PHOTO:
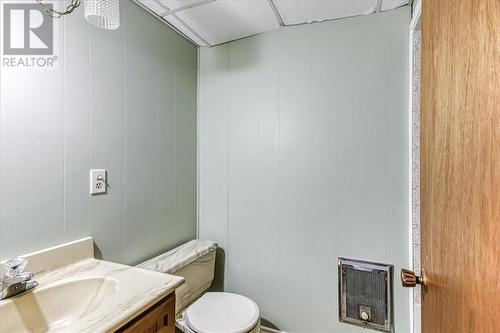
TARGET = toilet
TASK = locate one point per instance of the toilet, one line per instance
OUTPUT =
(199, 311)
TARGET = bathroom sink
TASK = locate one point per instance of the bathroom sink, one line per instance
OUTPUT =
(79, 293)
(55, 306)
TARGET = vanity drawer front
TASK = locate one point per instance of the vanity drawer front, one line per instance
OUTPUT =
(159, 318)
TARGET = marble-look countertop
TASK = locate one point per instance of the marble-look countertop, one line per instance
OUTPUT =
(132, 291)
(171, 261)
(137, 290)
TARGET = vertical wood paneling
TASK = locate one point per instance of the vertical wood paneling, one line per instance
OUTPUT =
(212, 143)
(212, 151)
(265, 257)
(294, 157)
(381, 189)
(107, 138)
(324, 173)
(166, 139)
(76, 125)
(32, 149)
(252, 95)
(243, 145)
(56, 125)
(3, 225)
(141, 114)
(366, 150)
(317, 162)
(185, 140)
(400, 222)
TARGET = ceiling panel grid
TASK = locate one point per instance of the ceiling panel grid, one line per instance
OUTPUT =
(213, 22)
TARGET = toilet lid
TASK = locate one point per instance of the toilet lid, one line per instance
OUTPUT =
(222, 313)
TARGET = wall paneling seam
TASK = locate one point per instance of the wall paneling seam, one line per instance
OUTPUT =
(124, 218)
(89, 162)
(157, 196)
(175, 129)
(65, 132)
(228, 137)
(198, 92)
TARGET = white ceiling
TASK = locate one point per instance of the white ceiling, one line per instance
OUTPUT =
(212, 22)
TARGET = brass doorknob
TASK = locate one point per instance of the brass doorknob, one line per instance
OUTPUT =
(409, 279)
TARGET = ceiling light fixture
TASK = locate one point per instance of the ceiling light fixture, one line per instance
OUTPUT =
(104, 14)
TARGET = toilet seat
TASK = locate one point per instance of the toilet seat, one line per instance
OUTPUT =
(222, 313)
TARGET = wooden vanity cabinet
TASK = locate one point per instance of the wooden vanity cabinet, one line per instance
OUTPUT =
(158, 318)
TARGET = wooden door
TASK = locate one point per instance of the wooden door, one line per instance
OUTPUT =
(460, 165)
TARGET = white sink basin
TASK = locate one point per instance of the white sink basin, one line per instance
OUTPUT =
(78, 293)
(56, 306)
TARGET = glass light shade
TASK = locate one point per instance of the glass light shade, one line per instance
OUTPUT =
(104, 14)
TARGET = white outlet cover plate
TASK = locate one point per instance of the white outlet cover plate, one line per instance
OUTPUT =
(98, 181)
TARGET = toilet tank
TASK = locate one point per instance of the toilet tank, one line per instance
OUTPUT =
(195, 262)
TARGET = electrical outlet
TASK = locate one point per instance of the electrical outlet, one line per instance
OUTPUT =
(98, 181)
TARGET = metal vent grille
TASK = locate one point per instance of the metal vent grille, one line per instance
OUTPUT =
(365, 294)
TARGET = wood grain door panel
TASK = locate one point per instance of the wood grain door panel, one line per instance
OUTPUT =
(460, 165)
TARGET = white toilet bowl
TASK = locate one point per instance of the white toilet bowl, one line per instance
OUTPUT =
(197, 311)
(220, 313)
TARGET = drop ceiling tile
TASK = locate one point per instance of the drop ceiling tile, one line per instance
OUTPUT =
(391, 4)
(300, 11)
(179, 26)
(154, 6)
(176, 4)
(225, 20)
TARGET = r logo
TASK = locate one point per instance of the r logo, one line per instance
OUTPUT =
(26, 30)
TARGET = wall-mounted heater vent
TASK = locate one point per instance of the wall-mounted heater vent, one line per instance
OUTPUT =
(365, 294)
